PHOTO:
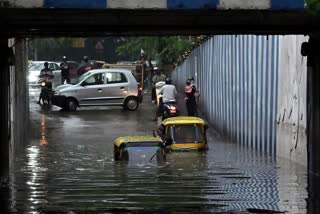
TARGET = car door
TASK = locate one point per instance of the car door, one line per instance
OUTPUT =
(116, 87)
(92, 90)
(56, 66)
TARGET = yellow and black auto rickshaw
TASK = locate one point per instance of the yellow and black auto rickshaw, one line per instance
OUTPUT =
(129, 147)
(185, 133)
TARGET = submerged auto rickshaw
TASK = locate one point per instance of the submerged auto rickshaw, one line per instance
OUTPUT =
(185, 133)
(147, 146)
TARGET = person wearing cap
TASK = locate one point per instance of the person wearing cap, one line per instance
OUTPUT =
(85, 66)
(46, 73)
(156, 78)
(65, 71)
(169, 94)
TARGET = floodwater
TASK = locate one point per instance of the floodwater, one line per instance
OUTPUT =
(68, 167)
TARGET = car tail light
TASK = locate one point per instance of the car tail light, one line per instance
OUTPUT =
(139, 89)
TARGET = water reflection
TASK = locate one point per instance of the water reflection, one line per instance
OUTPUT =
(220, 180)
(30, 182)
(43, 139)
(178, 184)
(292, 185)
(65, 170)
(29, 187)
(186, 182)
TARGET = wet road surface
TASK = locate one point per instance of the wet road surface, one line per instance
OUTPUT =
(68, 167)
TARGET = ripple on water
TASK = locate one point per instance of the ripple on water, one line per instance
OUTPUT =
(84, 178)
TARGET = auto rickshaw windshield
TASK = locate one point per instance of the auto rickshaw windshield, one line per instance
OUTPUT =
(186, 133)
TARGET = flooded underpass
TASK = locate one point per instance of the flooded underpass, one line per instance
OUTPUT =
(68, 167)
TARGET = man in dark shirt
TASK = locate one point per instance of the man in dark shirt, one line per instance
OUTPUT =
(65, 71)
(46, 75)
(85, 66)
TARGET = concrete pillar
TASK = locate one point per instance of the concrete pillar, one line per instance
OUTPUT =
(18, 107)
(19, 103)
(313, 111)
(4, 127)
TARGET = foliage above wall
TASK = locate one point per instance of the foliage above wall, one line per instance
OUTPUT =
(166, 49)
(313, 5)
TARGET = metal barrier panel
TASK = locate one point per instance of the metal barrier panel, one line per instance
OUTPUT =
(241, 80)
(237, 78)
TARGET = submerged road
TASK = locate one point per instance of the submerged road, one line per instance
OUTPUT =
(68, 167)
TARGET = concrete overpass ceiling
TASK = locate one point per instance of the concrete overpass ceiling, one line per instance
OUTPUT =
(50, 18)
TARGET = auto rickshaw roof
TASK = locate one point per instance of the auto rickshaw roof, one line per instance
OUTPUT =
(183, 120)
(127, 139)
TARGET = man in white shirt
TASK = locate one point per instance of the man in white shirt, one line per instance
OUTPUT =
(158, 77)
(169, 93)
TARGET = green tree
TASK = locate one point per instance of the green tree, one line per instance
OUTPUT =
(39, 46)
(166, 49)
(313, 5)
(173, 48)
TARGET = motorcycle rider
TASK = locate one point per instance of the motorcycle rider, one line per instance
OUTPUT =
(84, 66)
(156, 78)
(169, 93)
(65, 70)
(46, 75)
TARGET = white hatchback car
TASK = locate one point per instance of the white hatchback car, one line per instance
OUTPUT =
(34, 70)
(100, 87)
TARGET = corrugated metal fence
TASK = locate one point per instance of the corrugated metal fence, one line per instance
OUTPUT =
(238, 81)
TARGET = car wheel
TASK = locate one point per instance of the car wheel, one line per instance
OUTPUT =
(71, 104)
(131, 104)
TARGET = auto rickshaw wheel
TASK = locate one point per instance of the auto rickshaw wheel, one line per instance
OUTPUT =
(125, 155)
(116, 154)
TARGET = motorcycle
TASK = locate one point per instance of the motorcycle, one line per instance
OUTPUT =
(169, 109)
(46, 93)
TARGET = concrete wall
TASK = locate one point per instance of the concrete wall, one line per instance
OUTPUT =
(4, 131)
(292, 185)
(246, 82)
(159, 4)
(292, 100)
(19, 96)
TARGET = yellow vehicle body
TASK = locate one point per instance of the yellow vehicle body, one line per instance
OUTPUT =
(136, 69)
(122, 145)
(187, 133)
(125, 139)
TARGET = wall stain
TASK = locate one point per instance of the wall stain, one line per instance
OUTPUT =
(290, 114)
(284, 114)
